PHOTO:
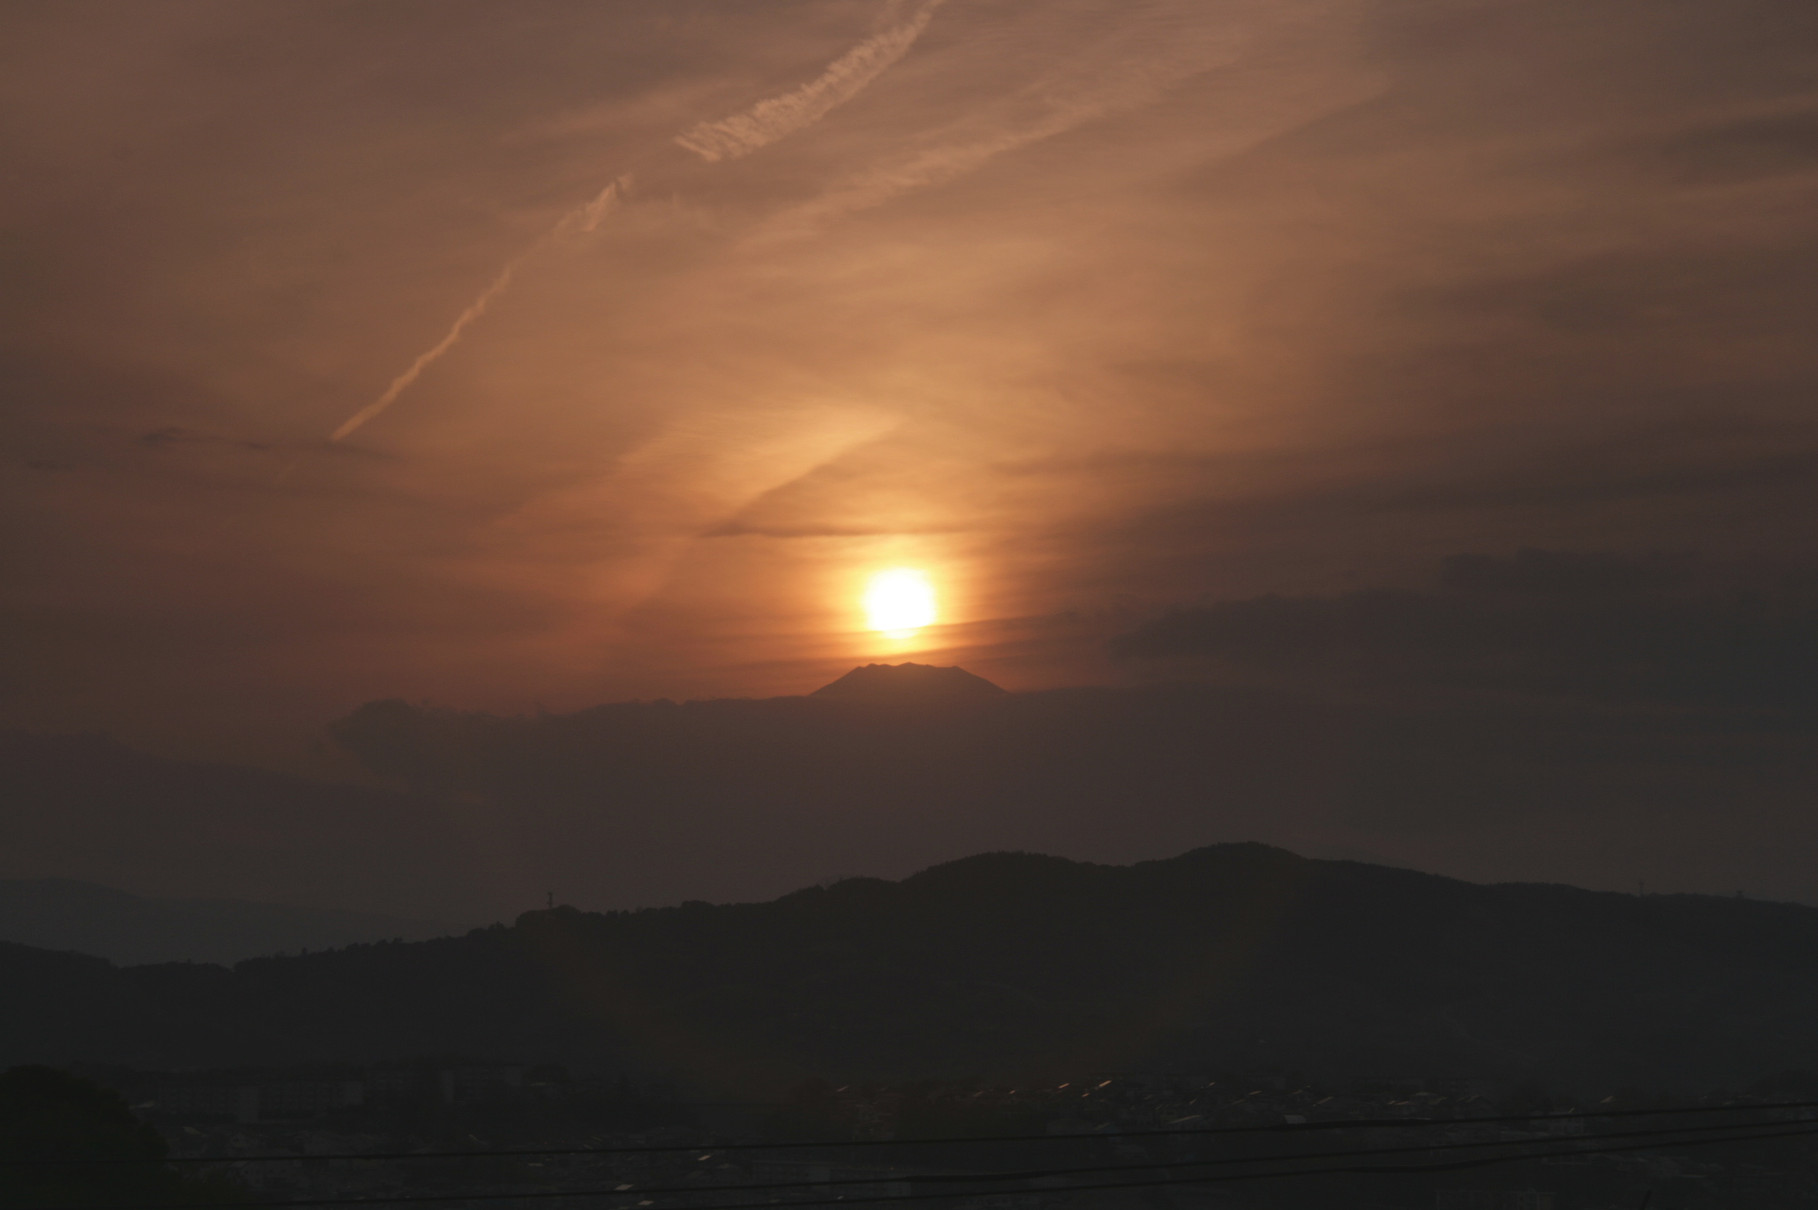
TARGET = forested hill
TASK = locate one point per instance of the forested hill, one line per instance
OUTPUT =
(1006, 964)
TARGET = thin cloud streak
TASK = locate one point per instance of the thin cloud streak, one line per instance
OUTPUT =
(474, 310)
(579, 221)
(1157, 56)
(727, 139)
(778, 117)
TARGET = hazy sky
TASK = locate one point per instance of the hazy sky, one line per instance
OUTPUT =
(1088, 308)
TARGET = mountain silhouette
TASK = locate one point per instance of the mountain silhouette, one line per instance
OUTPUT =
(471, 816)
(909, 684)
(1006, 965)
(89, 809)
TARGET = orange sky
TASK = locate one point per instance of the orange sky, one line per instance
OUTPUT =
(1085, 308)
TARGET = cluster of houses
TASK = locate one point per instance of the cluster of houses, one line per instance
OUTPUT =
(1136, 1118)
(1098, 1102)
(248, 1097)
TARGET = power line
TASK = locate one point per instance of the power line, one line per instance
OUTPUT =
(1655, 1139)
(1197, 1131)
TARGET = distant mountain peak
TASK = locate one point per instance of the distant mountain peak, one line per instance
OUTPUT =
(910, 683)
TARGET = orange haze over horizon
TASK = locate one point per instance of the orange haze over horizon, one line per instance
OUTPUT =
(506, 356)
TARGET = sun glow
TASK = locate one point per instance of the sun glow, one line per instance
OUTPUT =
(899, 602)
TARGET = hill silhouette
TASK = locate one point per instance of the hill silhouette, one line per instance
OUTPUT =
(1007, 964)
(89, 809)
(643, 803)
(909, 684)
(652, 802)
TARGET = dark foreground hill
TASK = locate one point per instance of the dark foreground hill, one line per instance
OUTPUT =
(1006, 964)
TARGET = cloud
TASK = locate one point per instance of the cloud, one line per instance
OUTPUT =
(737, 528)
(1553, 623)
(728, 138)
(177, 435)
(778, 117)
(1745, 149)
(1134, 63)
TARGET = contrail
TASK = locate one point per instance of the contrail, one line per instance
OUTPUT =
(577, 221)
(1128, 69)
(772, 119)
(474, 310)
(727, 139)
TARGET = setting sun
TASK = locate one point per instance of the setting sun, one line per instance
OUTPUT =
(899, 602)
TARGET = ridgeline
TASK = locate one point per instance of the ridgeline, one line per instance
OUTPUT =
(1010, 965)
